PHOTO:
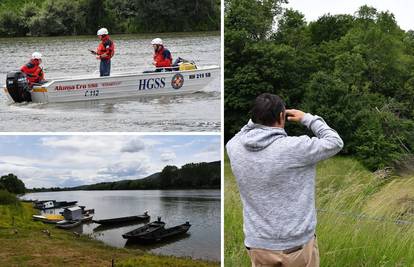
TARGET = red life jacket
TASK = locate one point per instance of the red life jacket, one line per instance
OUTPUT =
(107, 47)
(163, 58)
(33, 72)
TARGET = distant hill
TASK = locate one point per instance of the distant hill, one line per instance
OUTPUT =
(204, 175)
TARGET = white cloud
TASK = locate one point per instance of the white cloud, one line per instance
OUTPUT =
(168, 156)
(133, 146)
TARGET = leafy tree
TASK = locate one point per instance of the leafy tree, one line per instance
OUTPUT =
(11, 24)
(12, 184)
(60, 17)
(354, 71)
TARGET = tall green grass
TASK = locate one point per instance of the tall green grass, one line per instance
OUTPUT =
(7, 198)
(356, 218)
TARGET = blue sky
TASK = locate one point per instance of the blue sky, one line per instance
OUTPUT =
(402, 9)
(70, 160)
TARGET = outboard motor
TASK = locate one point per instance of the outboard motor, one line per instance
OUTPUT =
(18, 87)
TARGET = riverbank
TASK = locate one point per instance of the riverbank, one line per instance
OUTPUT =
(24, 242)
(364, 218)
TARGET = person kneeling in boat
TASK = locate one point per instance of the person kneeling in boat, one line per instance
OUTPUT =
(104, 52)
(162, 56)
(33, 71)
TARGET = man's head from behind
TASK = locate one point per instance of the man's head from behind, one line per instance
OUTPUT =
(268, 110)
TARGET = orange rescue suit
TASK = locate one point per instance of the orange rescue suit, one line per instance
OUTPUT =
(107, 47)
(163, 58)
(33, 72)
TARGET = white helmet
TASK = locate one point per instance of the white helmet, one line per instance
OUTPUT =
(36, 55)
(157, 41)
(103, 31)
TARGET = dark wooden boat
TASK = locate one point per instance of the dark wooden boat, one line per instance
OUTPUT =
(163, 233)
(121, 220)
(68, 224)
(145, 230)
(63, 204)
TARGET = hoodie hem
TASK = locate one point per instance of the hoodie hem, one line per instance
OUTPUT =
(275, 244)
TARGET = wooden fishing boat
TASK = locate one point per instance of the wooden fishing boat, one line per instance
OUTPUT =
(52, 204)
(50, 218)
(121, 220)
(118, 85)
(145, 230)
(163, 233)
(68, 224)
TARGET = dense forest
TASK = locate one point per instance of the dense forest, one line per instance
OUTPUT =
(190, 176)
(61, 17)
(356, 71)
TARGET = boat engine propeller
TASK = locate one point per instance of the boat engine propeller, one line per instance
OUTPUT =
(18, 87)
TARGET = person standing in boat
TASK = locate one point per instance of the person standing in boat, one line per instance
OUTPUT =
(104, 52)
(162, 56)
(32, 69)
(276, 178)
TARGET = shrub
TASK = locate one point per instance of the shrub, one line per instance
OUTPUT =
(7, 198)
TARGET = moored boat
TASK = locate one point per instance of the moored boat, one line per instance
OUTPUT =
(121, 220)
(145, 230)
(50, 218)
(65, 224)
(163, 233)
(53, 204)
(118, 85)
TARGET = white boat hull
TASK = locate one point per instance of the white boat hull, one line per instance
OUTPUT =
(123, 85)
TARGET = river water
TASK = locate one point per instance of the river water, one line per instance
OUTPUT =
(65, 56)
(200, 207)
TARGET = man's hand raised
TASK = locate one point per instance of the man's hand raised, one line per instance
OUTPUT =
(294, 115)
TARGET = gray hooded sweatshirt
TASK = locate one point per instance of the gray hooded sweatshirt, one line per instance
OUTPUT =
(276, 178)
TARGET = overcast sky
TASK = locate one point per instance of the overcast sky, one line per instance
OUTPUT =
(48, 161)
(403, 10)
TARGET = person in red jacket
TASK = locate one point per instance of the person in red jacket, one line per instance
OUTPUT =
(104, 52)
(32, 69)
(162, 56)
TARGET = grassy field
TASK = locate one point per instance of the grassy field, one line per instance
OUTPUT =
(23, 242)
(357, 217)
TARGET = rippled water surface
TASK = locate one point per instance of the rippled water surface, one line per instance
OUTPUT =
(65, 56)
(200, 207)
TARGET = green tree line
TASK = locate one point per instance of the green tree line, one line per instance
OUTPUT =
(61, 17)
(356, 71)
(190, 176)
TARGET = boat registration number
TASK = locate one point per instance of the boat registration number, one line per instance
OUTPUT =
(91, 93)
(200, 75)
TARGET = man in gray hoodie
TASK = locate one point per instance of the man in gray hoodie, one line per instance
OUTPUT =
(276, 178)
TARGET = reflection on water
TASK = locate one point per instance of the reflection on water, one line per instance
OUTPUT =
(200, 207)
(65, 56)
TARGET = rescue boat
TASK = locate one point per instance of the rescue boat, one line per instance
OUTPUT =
(118, 85)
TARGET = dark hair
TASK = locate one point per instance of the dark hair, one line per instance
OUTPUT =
(266, 109)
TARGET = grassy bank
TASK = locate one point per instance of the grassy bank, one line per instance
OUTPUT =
(357, 217)
(23, 242)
